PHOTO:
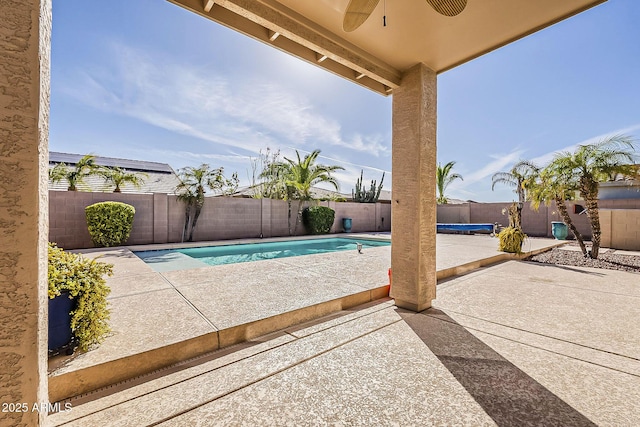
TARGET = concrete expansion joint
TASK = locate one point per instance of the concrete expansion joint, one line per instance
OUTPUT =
(261, 378)
(351, 319)
(598, 350)
(190, 304)
(131, 294)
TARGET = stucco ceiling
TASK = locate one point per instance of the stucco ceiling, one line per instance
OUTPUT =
(375, 55)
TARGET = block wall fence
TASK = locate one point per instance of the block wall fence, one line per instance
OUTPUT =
(618, 219)
(160, 218)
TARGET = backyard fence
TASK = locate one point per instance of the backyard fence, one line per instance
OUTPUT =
(160, 218)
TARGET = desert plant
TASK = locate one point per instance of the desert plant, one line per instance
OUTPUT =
(109, 223)
(297, 177)
(556, 184)
(83, 280)
(191, 191)
(591, 164)
(511, 239)
(444, 177)
(74, 176)
(318, 219)
(520, 174)
(120, 176)
(367, 196)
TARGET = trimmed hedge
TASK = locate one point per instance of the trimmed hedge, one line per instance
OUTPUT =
(84, 280)
(318, 219)
(109, 223)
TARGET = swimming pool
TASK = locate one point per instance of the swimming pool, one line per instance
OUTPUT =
(231, 254)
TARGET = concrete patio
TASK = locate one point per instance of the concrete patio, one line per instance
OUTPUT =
(516, 343)
(159, 319)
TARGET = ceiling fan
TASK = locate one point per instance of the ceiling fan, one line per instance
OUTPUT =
(359, 10)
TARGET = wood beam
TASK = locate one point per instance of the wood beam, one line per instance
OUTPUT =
(208, 4)
(301, 38)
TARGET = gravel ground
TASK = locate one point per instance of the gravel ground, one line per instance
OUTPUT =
(607, 258)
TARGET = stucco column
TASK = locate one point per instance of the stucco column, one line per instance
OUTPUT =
(25, 30)
(413, 205)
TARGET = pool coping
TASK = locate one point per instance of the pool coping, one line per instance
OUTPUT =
(187, 261)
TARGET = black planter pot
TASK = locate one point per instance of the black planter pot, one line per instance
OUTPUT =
(60, 334)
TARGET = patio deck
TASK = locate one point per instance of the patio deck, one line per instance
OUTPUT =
(160, 319)
(517, 343)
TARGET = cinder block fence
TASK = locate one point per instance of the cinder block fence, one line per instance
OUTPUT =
(160, 218)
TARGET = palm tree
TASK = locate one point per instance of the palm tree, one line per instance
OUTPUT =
(444, 177)
(516, 178)
(554, 184)
(119, 176)
(191, 191)
(591, 164)
(297, 177)
(85, 167)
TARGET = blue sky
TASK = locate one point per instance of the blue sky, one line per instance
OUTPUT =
(150, 81)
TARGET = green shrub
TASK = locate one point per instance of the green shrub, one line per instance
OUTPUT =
(511, 239)
(83, 279)
(318, 219)
(109, 223)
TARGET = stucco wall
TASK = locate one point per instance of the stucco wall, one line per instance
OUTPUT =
(25, 30)
(160, 218)
(534, 223)
(68, 224)
(620, 228)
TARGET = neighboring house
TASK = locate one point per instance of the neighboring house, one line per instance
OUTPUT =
(626, 189)
(622, 187)
(160, 177)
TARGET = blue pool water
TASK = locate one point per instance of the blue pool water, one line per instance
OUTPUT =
(231, 254)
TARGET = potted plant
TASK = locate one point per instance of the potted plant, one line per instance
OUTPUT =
(347, 224)
(560, 230)
(78, 304)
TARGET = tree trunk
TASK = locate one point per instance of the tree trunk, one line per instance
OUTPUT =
(289, 215)
(187, 218)
(564, 213)
(199, 205)
(295, 227)
(594, 220)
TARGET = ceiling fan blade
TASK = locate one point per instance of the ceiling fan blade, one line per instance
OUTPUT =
(448, 7)
(357, 12)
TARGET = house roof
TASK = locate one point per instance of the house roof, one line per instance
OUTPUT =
(160, 177)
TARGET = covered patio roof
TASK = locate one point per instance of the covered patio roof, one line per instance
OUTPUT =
(375, 55)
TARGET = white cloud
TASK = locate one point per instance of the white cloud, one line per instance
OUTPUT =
(500, 163)
(237, 113)
(547, 157)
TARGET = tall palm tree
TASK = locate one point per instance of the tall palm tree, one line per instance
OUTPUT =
(554, 184)
(119, 176)
(516, 178)
(591, 164)
(85, 167)
(298, 176)
(444, 177)
(191, 191)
